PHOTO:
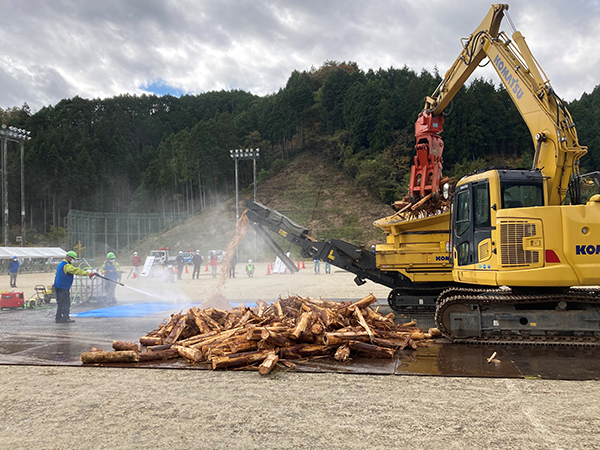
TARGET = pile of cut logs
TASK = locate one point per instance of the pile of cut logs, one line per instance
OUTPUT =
(291, 328)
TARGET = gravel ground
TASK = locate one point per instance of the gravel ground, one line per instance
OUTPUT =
(112, 408)
(102, 408)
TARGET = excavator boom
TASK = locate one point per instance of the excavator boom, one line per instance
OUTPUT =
(557, 150)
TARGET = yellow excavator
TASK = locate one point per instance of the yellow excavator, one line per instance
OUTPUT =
(517, 259)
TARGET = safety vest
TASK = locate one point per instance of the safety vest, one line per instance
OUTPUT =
(63, 280)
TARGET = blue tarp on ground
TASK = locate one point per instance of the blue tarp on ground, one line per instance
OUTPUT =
(141, 309)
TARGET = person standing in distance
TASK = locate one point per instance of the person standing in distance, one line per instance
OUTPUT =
(179, 262)
(213, 261)
(13, 269)
(136, 262)
(62, 284)
(197, 261)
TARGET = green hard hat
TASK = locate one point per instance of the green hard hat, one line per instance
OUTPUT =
(72, 254)
(111, 255)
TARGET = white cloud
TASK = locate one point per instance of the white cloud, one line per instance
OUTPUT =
(58, 49)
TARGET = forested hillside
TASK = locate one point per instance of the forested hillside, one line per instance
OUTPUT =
(152, 154)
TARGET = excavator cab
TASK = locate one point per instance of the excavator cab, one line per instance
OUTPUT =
(480, 198)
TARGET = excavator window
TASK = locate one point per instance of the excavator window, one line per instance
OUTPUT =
(463, 213)
(481, 194)
(521, 195)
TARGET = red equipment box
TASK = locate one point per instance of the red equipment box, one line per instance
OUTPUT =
(12, 300)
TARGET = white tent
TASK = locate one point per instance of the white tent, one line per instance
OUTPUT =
(31, 252)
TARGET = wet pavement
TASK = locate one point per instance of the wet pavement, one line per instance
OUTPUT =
(30, 337)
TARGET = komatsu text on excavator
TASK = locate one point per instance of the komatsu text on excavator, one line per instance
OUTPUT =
(517, 259)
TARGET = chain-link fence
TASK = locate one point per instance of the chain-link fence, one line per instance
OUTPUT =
(95, 234)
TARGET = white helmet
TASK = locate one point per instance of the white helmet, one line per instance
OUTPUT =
(181, 253)
(134, 253)
(249, 261)
(197, 252)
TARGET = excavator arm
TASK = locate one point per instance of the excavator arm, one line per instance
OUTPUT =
(557, 150)
(338, 253)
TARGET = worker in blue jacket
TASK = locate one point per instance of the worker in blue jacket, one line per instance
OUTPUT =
(13, 269)
(62, 285)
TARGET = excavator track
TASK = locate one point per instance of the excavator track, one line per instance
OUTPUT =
(494, 308)
(411, 300)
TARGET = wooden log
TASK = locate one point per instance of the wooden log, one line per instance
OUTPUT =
(125, 346)
(393, 334)
(434, 332)
(363, 303)
(195, 339)
(317, 329)
(301, 326)
(305, 350)
(342, 353)
(254, 333)
(109, 357)
(191, 354)
(277, 339)
(262, 306)
(245, 346)
(199, 321)
(239, 359)
(168, 327)
(217, 338)
(371, 350)
(159, 355)
(268, 364)
(363, 322)
(287, 364)
(278, 308)
(177, 330)
(158, 348)
(421, 202)
(149, 341)
(343, 338)
(213, 324)
(417, 336)
(395, 344)
(265, 345)
(400, 204)
(95, 349)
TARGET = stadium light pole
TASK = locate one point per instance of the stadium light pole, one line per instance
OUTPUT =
(236, 155)
(19, 136)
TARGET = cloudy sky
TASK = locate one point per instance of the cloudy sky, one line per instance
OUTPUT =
(50, 50)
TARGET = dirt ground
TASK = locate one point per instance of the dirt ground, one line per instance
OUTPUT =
(51, 407)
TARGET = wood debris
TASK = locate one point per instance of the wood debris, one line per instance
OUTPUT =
(268, 336)
(424, 207)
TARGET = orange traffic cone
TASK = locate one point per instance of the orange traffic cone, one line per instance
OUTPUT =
(186, 269)
(206, 268)
(175, 270)
(298, 265)
(303, 266)
(134, 275)
(268, 269)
